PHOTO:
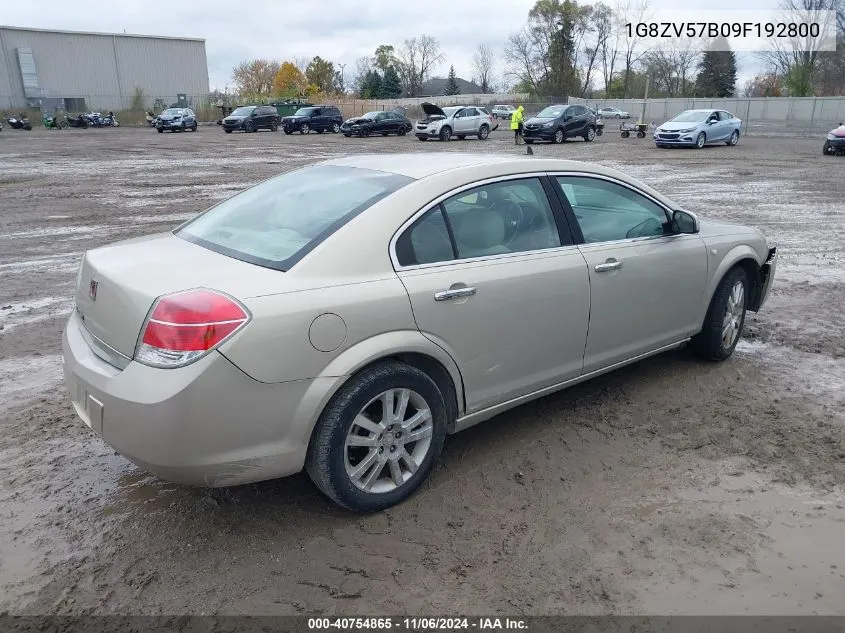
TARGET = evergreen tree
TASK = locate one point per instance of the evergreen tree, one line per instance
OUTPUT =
(391, 87)
(371, 86)
(716, 72)
(451, 83)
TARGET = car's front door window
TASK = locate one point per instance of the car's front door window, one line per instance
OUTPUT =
(607, 211)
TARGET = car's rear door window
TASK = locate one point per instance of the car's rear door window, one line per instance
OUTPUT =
(279, 221)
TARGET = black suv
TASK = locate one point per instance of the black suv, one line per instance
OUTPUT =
(252, 119)
(320, 118)
(560, 122)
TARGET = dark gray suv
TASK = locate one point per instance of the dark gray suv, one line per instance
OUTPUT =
(558, 123)
(320, 118)
(252, 119)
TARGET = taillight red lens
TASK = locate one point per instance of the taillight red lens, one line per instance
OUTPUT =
(185, 325)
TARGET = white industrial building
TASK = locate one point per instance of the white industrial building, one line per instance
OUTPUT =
(76, 71)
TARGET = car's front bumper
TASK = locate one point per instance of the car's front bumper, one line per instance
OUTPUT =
(170, 125)
(205, 424)
(539, 134)
(836, 145)
(674, 138)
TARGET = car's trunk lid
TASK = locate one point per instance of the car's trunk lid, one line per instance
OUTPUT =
(119, 283)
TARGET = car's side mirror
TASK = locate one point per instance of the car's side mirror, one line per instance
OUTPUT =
(711, 121)
(684, 223)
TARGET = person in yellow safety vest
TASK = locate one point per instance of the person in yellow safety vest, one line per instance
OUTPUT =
(517, 119)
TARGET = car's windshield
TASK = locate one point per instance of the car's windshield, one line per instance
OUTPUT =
(451, 111)
(370, 115)
(275, 223)
(173, 112)
(691, 116)
(552, 112)
(243, 111)
(304, 112)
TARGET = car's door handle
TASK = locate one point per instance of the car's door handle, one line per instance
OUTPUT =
(454, 293)
(608, 266)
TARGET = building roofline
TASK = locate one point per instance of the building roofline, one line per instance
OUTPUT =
(4, 27)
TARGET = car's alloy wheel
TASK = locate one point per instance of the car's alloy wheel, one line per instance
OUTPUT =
(591, 134)
(249, 126)
(445, 134)
(335, 128)
(700, 140)
(734, 138)
(725, 317)
(559, 136)
(484, 132)
(378, 438)
(304, 129)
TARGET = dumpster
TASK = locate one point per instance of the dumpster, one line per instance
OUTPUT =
(287, 108)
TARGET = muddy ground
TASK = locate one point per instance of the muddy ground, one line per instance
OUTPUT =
(672, 486)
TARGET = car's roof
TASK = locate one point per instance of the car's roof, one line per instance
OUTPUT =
(702, 110)
(423, 165)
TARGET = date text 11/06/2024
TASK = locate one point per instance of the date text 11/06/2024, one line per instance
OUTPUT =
(417, 624)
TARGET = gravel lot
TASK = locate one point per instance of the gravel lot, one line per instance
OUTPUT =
(672, 486)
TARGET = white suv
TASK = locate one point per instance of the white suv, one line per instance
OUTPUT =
(503, 111)
(460, 121)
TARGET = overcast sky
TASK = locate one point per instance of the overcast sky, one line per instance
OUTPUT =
(339, 31)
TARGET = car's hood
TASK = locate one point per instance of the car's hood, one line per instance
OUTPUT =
(537, 119)
(838, 132)
(234, 118)
(432, 109)
(672, 126)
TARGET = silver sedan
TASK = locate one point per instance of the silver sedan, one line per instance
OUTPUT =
(697, 128)
(344, 317)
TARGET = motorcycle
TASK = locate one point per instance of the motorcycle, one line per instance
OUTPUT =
(52, 123)
(97, 120)
(77, 121)
(20, 123)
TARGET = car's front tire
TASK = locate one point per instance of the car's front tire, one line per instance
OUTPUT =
(304, 129)
(725, 317)
(274, 127)
(483, 133)
(378, 438)
(446, 133)
(700, 140)
(559, 136)
(249, 126)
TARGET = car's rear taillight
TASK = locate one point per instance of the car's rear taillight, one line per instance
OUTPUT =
(184, 326)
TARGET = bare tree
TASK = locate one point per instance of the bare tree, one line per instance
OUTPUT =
(415, 60)
(255, 76)
(526, 61)
(799, 60)
(597, 50)
(671, 67)
(483, 63)
(630, 11)
(363, 66)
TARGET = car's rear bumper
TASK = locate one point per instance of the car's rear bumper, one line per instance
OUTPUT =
(205, 424)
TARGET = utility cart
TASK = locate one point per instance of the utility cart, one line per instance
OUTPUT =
(640, 129)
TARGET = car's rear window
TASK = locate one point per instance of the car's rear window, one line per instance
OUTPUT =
(276, 223)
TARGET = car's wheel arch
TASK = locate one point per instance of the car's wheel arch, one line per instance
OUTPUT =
(408, 346)
(748, 259)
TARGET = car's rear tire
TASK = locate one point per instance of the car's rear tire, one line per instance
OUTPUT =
(274, 127)
(335, 128)
(559, 136)
(378, 438)
(725, 317)
(700, 140)
(483, 132)
(590, 135)
(445, 133)
(734, 139)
